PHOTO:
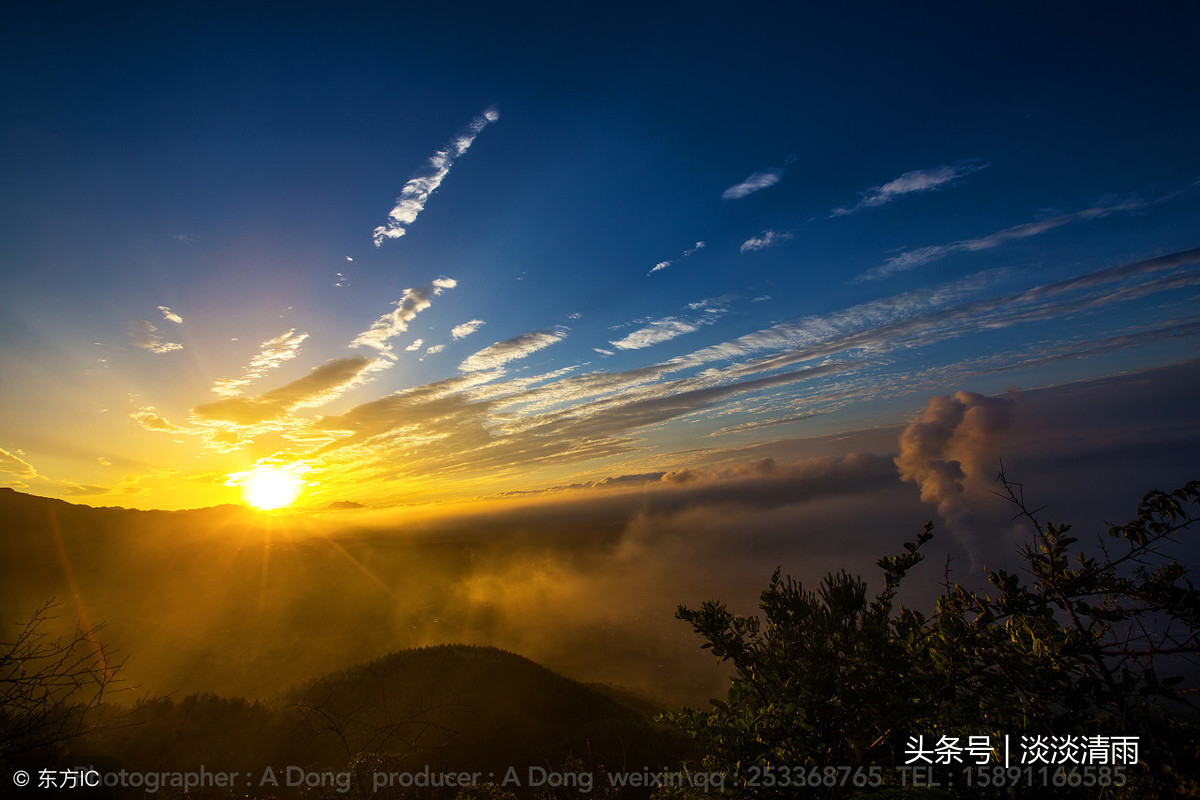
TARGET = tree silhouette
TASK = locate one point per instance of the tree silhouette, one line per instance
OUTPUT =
(1076, 647)
(48, 685)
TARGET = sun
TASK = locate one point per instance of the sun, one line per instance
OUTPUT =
(269, 488)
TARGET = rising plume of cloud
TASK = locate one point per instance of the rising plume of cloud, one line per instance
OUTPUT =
(755, 182)
(685, 254)
(170, 315)
(954, 440)
(395, 322)
(416, 192)
(918, 180)
(762, 241)
(466, 329)
(501, 353)
(274, 352)
(146, 336)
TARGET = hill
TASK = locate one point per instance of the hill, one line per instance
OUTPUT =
(449, 707)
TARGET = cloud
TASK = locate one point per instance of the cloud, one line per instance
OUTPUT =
(392, 324)
(949, 444)
(323, 384)
(416, 192)
(911, 259)
(755, 182)
(919, 180)
(274, 352)
(521, 346)
(479, 424)
(767, 238)
(170, 315)
(434, 349)
(148, 337)
(415, 346)
(15, 465)
(660, 330)
(149, 419)
(602, 351)
(685, 254)
(466, 329)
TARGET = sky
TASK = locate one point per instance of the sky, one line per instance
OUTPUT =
(418, 255)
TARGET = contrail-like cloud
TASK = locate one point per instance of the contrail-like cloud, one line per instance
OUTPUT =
(918, 180)
(416, 192)
(756, 182)
(686, 254)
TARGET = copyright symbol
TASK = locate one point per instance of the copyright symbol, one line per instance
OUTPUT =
(21, 778)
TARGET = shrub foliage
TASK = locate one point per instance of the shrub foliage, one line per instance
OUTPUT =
(1077, 645)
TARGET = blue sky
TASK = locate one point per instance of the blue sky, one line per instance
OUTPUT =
(632, 240)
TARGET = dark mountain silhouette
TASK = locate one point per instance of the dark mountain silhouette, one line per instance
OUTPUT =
(230, 601)
(451, 707)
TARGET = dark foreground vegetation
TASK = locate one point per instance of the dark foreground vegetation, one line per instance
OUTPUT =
(835, 692)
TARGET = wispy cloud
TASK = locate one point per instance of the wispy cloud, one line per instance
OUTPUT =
(480, 422)
(466, 329)
(762, 241)
(434, 349)
(416, 192)
(148, 337)
(323, 384)
(151, 420)
(602, 351)
(685, 254)
(274, 352)
(660, 330)
(501, 353)
(415, 346)
(170, 315)
(395, 322)
(15, 465)
(755, 182)
(924, 255)
(918, 180)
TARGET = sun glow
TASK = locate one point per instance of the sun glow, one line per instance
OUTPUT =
(269, 488)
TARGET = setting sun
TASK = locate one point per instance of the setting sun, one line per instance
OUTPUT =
(268, 488)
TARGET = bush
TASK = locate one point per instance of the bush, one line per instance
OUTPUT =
(1076, 648)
